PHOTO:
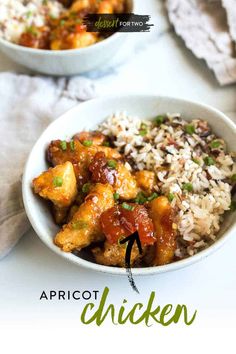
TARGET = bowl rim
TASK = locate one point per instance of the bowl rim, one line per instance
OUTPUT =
(68, 52)
(26, 190)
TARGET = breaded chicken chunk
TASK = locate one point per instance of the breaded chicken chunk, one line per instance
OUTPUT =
(163, 218)
(114, 255)
(145, 180)
(58, 184)
(125, 185)
(113, 172)
(79, 155)
(85, 228)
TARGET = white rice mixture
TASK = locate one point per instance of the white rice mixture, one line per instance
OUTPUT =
(178, 161)
(17, 15)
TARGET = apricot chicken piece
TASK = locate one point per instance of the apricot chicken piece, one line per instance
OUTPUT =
(145, 180)
(114, 172)
(105, 7)
(72, 41)
(58, 184)
(85, 228)
(114, 255)
(79, 155)
(95, 137)
(125, 185)
(163, 218)
(80, 5)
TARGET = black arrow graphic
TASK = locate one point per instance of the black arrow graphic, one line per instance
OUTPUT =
(131, 240)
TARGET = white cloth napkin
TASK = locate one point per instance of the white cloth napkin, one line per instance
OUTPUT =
(208, 28)
(27, 106)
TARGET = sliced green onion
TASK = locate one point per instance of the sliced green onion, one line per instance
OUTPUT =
(63, 145)
(143, 132)
(62, 22)
(32, 31)
(29, 14)
(112, 163)
(86, 187)
(127, 206)
(153, 196)
(189, 129)
(171, 197)
(159, 119)
(78, 225)
(106, 143)
(196, 161)
(209, 161)
(140, 198)
(72, 145)
(116, 196)
(57, 181)
(188, 187)
(233, 178)
(87, 143)
(215, 144)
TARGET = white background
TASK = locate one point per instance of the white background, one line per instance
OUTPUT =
(158, 63)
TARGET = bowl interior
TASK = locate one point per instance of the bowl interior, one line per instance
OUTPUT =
(87, 116)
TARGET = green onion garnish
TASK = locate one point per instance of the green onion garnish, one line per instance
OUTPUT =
(86, 187)
(143, 132)
(233, 178)
(32, 31)
(159, 119)
(62, 22)
(127, 206)
(116, 196)
(72, 145)
(63, 145)
(196, 161)
(188, 187)
(215, 144)
(57, 181)
(140, 198)
(209, 161)
(29, 14)
(171, 197)
(87, 143)
(106, 143)
(189, 129)
(80, 224)
(153, 196)
(111, 163)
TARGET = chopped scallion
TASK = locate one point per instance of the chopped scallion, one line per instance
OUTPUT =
(87, 143)
(127, 206)
(57, 181)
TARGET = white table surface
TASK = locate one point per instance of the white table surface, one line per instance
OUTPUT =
(160, 65)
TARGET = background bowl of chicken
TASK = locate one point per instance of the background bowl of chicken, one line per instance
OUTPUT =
(88, 116)
(69, 61)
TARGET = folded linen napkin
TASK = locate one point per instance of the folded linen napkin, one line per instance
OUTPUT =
(208, 28)
(27, 106)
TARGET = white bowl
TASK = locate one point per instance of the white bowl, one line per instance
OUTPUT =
(66, 62)
(87, 116)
